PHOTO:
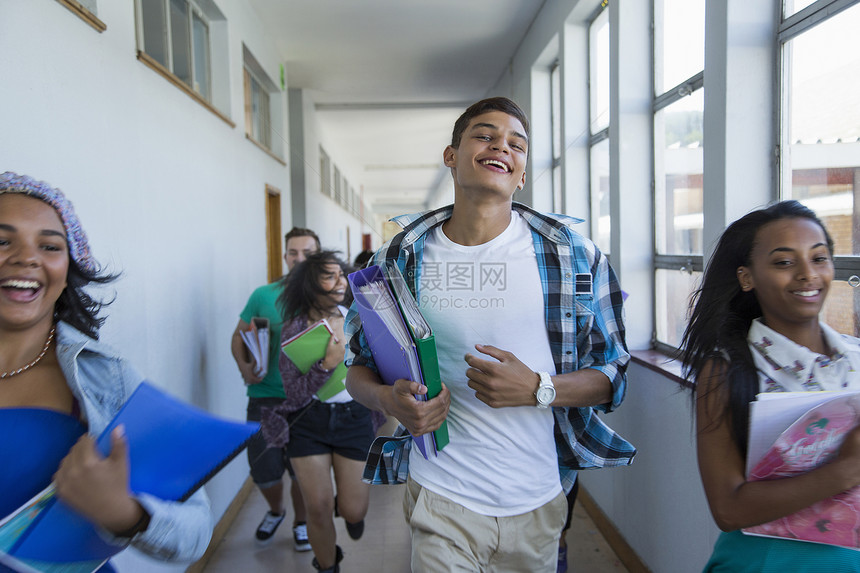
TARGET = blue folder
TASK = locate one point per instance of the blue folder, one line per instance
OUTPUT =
(173, 448)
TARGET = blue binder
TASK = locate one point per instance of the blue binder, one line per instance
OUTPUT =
(395, 351)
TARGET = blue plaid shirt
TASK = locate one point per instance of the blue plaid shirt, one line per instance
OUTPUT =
(584, 320)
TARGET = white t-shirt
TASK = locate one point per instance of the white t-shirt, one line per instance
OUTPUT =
(499, 461)
(342, 396)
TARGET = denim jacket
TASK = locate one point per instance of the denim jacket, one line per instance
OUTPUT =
(101, 381)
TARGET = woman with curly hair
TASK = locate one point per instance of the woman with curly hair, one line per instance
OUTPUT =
(54, 373)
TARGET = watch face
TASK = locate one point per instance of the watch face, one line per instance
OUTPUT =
(545, 395)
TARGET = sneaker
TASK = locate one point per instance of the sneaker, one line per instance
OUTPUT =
(336, 567)
(268, 527)
(300, 537)
(562, 560)
(355, 530)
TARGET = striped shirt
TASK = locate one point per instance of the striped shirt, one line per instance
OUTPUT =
(584, 319)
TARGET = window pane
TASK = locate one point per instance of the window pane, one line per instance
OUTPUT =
(598, 39)
(256, 95)
(247, 84)
(672, 294)
(201, 57)
(325, 173)
(557, 147)
(555, 97)
(599, 166)
(680, 42)
(154, 39)
(265, 131)
(830, 193)
(678, 138)
(841, 307)
(823, 99)
(180, 42)
(794, 6)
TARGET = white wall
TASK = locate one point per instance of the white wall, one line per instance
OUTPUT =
(324, 215)
(657, 503)
(170, 194)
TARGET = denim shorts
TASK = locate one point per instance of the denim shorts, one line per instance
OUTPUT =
(343, 428)
(267, 464)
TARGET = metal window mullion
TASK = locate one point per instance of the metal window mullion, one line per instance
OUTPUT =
(680, 91)
(690, 263)
(190, 41)
(596, 138)
(191, 55)
(809, 17)
(138, 28)
(208, 60)
(556, 153)
(191, 44)
(195, 10)
(168, 36)
(597, 12)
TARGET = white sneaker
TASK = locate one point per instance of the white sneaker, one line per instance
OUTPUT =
(300, 537)
(267, 528)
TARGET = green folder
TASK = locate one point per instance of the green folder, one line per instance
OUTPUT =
(306, 349)
(425, 342)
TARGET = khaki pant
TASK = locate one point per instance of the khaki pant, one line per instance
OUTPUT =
(447, 537)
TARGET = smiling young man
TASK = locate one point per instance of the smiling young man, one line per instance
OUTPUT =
(269, 464)
(530, 337)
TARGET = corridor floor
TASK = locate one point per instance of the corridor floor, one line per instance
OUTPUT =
(384, 548)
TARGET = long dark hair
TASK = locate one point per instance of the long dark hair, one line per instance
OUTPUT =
(77, 307)
(301, 287)
(721, 314)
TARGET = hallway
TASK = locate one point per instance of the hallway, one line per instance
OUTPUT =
(384, 548)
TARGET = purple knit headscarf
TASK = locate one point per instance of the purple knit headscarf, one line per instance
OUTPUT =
(79, 248)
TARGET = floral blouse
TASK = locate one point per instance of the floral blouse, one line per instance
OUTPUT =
(785, 366)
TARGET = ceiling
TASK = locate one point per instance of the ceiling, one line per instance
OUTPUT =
(390, 77)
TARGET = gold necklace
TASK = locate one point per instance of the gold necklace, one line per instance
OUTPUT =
(35, 361)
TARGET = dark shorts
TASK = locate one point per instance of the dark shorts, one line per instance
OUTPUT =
(344, 429)
(267, 464)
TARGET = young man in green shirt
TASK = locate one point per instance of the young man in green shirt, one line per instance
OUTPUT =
(268, 464)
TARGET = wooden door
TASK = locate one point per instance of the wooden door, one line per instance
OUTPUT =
(273, 234)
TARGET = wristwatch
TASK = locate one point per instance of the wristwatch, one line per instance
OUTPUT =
(545, 392)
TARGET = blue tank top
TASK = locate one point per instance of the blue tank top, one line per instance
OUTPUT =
(33, 443)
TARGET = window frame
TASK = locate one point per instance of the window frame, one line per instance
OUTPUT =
(595, 137)
(688, 263)
(166, 70)
(556, 144)
(325, 173)
(265, 121)
(85, 14)
(846, 267)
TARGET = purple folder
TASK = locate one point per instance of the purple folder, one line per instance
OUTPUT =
(392, 358)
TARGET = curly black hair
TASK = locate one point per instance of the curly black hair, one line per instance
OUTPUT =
(76, 306)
